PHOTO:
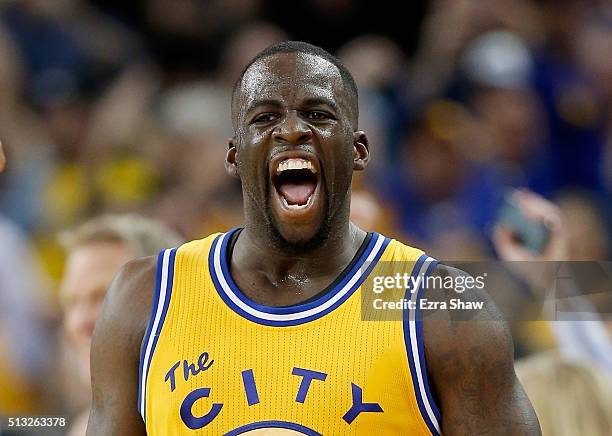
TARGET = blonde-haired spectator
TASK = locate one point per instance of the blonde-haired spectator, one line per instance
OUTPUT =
(570, 397)
(95, 251)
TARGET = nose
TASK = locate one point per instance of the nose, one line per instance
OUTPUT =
(81, 319)
(292, 130)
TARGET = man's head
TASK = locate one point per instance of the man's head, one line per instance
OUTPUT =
(96, 250)
(296, 143)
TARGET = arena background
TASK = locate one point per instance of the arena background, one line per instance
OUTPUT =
(114, 106)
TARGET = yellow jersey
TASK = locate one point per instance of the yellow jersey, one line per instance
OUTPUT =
(214, 362)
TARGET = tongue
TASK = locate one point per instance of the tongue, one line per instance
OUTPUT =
(297, 193)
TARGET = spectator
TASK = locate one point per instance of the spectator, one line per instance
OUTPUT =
(26, 312)
(570, 397)
(96, 250)
(584, 334)
(26, 344)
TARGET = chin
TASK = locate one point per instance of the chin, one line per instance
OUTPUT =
(296, 238)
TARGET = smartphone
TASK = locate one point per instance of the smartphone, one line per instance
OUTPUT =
(533, 235)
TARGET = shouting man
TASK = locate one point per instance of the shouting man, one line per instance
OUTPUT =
(260, 329)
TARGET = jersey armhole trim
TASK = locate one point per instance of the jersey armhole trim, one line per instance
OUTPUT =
(413, 340)
(161, 300)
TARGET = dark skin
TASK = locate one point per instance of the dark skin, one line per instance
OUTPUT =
(276, 118)
(297, 105)
(470, 366)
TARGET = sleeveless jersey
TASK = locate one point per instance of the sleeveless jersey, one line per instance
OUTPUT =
(214, 362)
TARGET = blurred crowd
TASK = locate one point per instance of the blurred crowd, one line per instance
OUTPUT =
(108, 107)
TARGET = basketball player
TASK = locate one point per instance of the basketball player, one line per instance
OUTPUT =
(259, 330)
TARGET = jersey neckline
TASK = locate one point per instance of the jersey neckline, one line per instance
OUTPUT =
(299, 313)
(233, 236)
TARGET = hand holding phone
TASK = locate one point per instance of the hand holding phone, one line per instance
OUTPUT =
(530, 227)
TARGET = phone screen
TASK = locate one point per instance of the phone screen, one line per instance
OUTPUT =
(534, 235)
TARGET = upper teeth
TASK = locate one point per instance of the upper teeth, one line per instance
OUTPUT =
(295, 164)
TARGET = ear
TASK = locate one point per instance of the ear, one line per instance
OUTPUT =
(361, 151)
(231, 162)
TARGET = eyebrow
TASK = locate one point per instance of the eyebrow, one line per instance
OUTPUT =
(321, 100)
(262, 102)
(313, 101)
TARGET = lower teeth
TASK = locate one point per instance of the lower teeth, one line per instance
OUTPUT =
(296, 206)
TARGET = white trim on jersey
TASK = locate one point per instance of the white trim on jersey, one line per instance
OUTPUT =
(158, 313)
(422, 392)
(297, 315)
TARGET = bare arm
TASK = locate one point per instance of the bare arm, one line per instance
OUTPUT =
(470, 360)
(116, 349)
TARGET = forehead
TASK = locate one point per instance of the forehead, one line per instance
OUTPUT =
(290, 77)
(94, 264)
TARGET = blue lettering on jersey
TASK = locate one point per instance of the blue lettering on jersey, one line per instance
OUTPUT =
(189, 369)
(250, 388)
(252, 396)
(308, 376)
(194, 422)
(359, 406)
(170, 376)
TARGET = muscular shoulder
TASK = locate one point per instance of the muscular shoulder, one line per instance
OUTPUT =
(469, 356)
(127, 305)
(469, 326)
(135, 280)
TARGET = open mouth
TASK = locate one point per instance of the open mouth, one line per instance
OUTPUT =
(295, 180)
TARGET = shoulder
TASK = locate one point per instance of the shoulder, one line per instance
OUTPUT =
(470, 361)
(127, 305)
(460, 285)
(132, 282)
(469, 328)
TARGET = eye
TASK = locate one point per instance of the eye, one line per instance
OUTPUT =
(265, 118)
(317, 115)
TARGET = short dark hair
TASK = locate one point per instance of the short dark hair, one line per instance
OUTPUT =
(306, 48)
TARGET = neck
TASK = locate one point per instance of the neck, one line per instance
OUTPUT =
(268, 275)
